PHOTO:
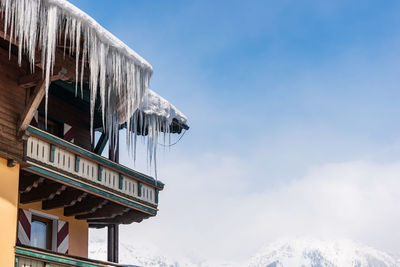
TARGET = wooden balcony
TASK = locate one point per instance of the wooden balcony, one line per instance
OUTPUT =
(66, 163)
(34, 257)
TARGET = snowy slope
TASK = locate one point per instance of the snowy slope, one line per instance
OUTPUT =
(148, 256)
(132, 254)
(284, 253)
(317, 253)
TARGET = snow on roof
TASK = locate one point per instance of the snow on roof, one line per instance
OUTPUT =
(103, 34)
(116, 71)
(156, 104)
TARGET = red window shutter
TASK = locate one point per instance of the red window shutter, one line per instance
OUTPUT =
(69, 133)
(62, 237)
(24, 227)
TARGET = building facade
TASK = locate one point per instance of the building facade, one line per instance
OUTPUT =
(54, 182)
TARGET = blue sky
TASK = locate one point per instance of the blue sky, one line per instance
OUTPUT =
(274, 90)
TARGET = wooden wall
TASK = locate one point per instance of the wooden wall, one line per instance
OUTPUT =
(13, 99)
(12, 104)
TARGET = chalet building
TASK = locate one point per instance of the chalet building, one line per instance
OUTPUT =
(67, 87)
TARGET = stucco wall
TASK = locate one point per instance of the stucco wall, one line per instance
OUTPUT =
(78, 229)
(8, 210)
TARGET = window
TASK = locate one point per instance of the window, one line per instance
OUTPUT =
(44, 230)
(41, 232)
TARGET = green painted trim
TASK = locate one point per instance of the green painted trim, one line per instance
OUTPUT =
(52, 149)
(140, 190)
(16, 261)
(91, 188)
(102, 160)
(77, 160)
(157, 191)
(54, 258)
(47, 264)
(100, 172)
(121, 181)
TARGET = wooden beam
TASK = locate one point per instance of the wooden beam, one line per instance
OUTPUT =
(64, 65)
(89, 204)
(108, 211)
(26, 184)
(101, 144)
(126, 218)
(110, 243)
(30, 80)
(69, 197)
(45, 191)
(31, 108)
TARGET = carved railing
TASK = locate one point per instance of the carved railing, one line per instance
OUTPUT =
(59, 155)
(33, 257)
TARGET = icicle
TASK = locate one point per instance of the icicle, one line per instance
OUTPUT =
(77, 52)
(83, 62)
(50, 50)
(103, 72)
(66, 32)
(11, 31)
(121, 76)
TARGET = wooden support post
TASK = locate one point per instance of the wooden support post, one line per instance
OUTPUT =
(116, 242)
(110, 243)
(101, 144)
(31, 108)
(112, 247)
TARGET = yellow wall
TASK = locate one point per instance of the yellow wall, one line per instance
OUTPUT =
(8, 210)
(78, 229)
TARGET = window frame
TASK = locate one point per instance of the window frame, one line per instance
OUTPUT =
(53, 220)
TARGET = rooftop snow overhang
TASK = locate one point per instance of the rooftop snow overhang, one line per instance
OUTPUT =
(102, 33)
(43, 29)
(158, 107)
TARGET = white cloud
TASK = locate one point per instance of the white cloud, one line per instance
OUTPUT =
(211, 210)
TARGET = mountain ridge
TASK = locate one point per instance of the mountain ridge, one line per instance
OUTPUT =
(300, 252)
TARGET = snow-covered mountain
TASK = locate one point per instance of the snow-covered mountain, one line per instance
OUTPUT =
(135, 255)
(284, 253)
(317, 253)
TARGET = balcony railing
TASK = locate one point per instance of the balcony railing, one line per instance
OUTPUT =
(28, 256)
(57, 155)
